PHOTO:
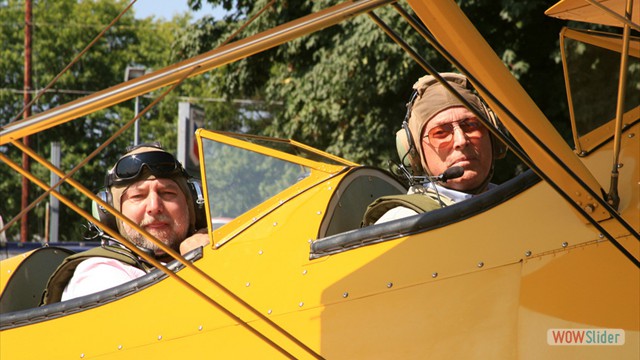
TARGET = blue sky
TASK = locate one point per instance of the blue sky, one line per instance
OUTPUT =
(167, 8)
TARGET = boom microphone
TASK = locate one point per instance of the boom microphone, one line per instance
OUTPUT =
(453, 172)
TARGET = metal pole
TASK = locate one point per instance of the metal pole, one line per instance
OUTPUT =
(54, 207)
(169, 75)
(24, 199)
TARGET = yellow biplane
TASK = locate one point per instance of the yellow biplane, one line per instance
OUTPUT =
(545, 266)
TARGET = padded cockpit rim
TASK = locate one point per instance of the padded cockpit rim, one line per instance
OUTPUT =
(52, 311)
(423, 222)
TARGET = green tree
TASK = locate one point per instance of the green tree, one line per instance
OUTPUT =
(344, 89)
(61, 29)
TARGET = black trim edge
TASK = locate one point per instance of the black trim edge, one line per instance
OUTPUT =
(423, 222)
(55, 310)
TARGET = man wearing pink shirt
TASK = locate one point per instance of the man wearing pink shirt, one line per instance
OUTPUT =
(151, 188)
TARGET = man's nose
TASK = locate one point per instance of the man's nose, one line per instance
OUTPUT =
(154, 203)
(459, 137)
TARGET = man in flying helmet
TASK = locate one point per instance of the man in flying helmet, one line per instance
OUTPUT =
(445, 145)
(151, 188)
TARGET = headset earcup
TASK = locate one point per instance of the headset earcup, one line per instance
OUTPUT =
(195, 186)
(407, 151)
(101, 214)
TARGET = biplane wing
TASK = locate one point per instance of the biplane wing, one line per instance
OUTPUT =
(543, 261)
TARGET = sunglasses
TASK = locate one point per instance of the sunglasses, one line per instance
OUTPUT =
(442, 135)
(159, 163)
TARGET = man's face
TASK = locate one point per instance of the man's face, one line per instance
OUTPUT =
(159, 207)
(450, 141)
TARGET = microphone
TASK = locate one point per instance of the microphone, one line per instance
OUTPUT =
(453, 172)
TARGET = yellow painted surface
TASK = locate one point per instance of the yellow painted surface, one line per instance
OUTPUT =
(489, 286)
(9, 266)
(379, 301)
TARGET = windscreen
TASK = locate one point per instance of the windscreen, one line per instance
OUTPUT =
(239, 179)
(594, 73)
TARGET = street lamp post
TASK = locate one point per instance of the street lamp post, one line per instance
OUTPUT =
(130, 73)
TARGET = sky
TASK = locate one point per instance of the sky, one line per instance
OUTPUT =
(167, 8)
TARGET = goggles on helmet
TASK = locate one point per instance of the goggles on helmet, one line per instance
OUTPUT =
(159, 163)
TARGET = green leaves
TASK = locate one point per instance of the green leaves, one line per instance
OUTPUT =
(61, 30)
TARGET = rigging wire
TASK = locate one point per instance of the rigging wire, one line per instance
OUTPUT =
(516, 149)
(66, 177)
(74, 61)
(247, 23)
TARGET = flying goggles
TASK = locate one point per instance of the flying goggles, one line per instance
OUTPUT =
(159, 163)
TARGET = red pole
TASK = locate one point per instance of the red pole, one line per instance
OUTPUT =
(24, 223)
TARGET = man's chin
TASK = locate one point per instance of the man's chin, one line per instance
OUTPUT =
(463, 184)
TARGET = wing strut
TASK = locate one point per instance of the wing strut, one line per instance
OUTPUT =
(612, 196)
(517, 150)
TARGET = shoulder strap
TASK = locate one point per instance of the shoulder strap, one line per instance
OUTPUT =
(416, 202)
(60, 278)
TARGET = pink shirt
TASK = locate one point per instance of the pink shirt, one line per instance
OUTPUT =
(97, 274)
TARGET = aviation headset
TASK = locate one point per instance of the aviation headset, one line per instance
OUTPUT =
(194, 188)
(410, 155)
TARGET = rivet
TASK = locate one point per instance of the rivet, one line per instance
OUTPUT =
(601, 236)
(588, 208)
(565, 244)
(304, 272)
(159, 337)
(200, 328)
(631, 135)
(620, 165)
(269, 311)
(434, 275)
(281, 202)
(310, 241)
(329, 188)
(480, 264)
(247, 284)
(527, 253)
(254, 219)
(119, 347)
(81, 356)
(301, 304)
(260, 252)
(319, 212)
(275, 224)
(345, 294)
(8, 271)
(389, 285)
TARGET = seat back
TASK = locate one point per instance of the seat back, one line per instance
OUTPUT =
(25, 287)
(355, 192)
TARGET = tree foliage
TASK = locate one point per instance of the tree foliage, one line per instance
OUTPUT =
(61, 30)
(344, 89)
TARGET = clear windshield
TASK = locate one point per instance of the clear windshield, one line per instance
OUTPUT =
(239, 179)
(286, 147)
(593, 73)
